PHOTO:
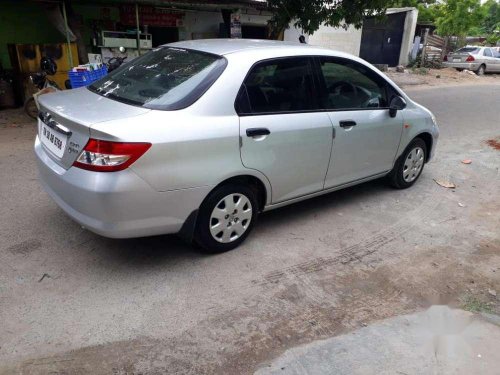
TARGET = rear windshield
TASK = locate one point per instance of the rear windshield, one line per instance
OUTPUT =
(468, 50)
(166, 78)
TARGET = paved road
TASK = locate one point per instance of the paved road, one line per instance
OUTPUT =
(71, 300)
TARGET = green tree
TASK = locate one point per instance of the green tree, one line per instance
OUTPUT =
(427, 9)
(489, 26)
(458, 17)
(309, 15)
(491, 17)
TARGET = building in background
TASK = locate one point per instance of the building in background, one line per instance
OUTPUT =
(31, 28)
(386, 41)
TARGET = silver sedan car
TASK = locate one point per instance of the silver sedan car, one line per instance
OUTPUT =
(199, 137)
(478, 59)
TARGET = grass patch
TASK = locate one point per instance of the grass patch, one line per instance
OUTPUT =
(421, 71)
(473, 304)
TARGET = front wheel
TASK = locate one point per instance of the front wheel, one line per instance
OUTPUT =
(226, 218)
(409, 166)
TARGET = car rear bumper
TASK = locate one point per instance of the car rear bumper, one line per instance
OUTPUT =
(469, 66)
(116, 204)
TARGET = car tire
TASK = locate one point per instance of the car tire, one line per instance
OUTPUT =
(481, 70)
(409, 165)
(30, 108)
(226, 218)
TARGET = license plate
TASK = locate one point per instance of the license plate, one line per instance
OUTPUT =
(457, 60)
(53, 140)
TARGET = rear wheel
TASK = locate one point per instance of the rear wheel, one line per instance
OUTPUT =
(30, 108)
(409, 166)
(226, 218)
(481, 70)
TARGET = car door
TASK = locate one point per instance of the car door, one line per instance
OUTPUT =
(492, 63)
(283, 133)
(366, 136)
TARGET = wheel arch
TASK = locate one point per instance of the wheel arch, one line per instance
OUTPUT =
(263, 192)
(261, 184)
(427, 138)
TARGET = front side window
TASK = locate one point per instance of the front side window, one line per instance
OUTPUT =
(166, 78)
(276, 86)
(350, 85)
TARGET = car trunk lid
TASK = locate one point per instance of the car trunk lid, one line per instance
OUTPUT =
(66, 118)
(462, 54)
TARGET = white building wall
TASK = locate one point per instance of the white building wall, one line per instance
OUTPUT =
(338, 39)
(408, 36)
(292, 35)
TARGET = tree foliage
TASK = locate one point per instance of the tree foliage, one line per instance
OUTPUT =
(427, 9)
(457, 17)
(491, 17)
(309, 15)
(452, 17)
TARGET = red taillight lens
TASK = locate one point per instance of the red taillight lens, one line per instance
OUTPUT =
(106, 156)
(445, 58)
(470, 58)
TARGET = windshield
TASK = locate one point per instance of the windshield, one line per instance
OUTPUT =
(166, 78)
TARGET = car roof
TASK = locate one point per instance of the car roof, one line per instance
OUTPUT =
(230, 46)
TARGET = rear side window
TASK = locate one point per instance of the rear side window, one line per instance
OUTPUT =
(166, 78)
(350, 85)
(487, 52)
(277, 86)
(468, 50)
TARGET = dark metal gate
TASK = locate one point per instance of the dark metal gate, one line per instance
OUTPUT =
(381, 39)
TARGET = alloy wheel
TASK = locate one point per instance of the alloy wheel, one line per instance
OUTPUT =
(413, 164)
(230, 218)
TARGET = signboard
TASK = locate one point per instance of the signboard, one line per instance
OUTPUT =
(236, 25)
(150, 16)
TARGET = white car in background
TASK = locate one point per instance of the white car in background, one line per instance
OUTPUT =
(478, 59)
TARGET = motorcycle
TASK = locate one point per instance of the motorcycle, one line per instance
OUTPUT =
(115, 62)
(41, 81)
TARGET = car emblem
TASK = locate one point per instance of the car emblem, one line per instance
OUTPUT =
(45, 117)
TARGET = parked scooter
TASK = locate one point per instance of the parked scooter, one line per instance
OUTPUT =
(115, 62)
(44, 85)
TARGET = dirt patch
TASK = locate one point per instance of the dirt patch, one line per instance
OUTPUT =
(440, 77)
(494, 143)
(299, 309)
(25, 247)
(15, 118)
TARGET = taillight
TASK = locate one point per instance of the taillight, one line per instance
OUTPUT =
(470, 58)
(445, 58)
(106, 156)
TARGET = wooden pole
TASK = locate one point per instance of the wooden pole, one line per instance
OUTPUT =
(422, 61)
(68, 41)
(444, 51)
(138, 35)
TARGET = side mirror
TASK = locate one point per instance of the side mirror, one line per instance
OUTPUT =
(397, 104)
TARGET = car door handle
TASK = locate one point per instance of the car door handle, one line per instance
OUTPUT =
(347, 123)
(257, 132)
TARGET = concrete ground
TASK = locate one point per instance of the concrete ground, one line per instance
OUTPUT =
(73, 302)
(437, 341)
